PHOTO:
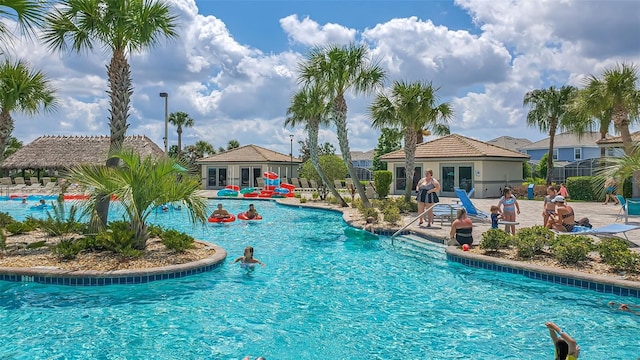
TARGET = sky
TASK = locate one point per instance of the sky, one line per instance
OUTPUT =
(233, 67)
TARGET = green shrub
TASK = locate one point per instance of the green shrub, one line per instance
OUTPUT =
(331, 200)
(177, 241)
(3, 240)
(531, 241)
(67, 249)
(572, 249)
(382, 180)
(315, 195)
(583, 188)
(119, 238)
(391, 214)
(19, 227)
(155, 230)
(303, 200)
(60, 223)
(494, 240)
(5, 219)
(615, 253)
(37, 244)
(609, 246)
(405, 207)
(366, 212)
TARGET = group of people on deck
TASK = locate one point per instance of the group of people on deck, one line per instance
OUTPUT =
(556, 214)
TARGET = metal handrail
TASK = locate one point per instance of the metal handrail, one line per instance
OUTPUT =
(412, 221)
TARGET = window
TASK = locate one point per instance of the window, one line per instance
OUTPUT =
(577, 154)
(555, 154)
(611, 151)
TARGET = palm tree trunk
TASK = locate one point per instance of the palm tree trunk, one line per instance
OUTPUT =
(410, 157)
(6, 128)
(315, 160)
(120, 91)
(340, 111)
(179, 140)
(552, 136)
(621, 121)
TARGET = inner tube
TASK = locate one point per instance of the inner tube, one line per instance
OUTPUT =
(243, 216)
(231, 218)
(247, 190)
(281, 190)
(227, 192)
(352, 232)
(233, 187)
(270, 175)
(38, 207)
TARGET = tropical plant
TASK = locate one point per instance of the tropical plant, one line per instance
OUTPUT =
(180, 119)
(60, 223)
(572, 249)
(308, 107)
(615, 93)
(550, 113)
(141, 185)
(203, 148)
(13, 145)
(332, 167)
(339, 69)
(27, 14)
(305, 152)
(121, 28)
(382, 180)
(233, 144)
(24, 90)
(388, 141)
(410, 107)
(177, 241)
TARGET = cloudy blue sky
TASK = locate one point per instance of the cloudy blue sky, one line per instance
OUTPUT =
(233, 68)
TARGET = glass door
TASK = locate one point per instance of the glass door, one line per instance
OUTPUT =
(212, 179)
(448, 181)
(465, 174)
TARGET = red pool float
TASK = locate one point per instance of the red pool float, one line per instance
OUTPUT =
(250, 195)
(233, 187)
(243, 216)
(231, 218)
(270, 175)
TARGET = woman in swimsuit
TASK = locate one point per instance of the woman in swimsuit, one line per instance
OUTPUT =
(427, 189)
(462, 228)
(510, 207)
(566, 347)
(564, 219)
(248, 261)
(549, 208)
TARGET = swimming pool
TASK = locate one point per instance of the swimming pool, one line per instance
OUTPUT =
(322, 296)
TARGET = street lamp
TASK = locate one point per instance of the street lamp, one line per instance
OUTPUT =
(166, 121)
(291, 158)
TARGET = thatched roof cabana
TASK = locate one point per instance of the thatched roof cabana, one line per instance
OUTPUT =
(62, 152)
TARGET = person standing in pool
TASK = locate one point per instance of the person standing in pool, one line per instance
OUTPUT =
(566, 347)
(428, 189)
(248, 260)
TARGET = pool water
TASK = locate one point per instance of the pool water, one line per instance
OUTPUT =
(322, 295)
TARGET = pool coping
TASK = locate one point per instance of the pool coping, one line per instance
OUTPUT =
(565, 277)
(50, 275)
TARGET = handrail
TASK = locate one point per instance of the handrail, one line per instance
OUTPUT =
(412, 221)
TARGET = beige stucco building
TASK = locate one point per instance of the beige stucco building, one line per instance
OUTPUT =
(459, 161)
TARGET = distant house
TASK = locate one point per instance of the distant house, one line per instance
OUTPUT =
(459, 161)
(63, 152)
(509, 142)
(363, 162)
(613, 144)
(567, 147)
(244, 165)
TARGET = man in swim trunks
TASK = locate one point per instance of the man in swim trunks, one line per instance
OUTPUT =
(220, 213)
(252, 212)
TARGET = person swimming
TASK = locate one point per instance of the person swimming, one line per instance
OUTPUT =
(248, 261)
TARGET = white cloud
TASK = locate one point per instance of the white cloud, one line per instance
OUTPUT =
(310, 33)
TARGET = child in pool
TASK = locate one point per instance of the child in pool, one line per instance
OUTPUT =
(248, 261)
(634, 309)
(495, 216)
(370, 225)
(565, 346)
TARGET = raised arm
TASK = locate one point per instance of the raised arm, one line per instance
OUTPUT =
(238, 259)
(554, 331)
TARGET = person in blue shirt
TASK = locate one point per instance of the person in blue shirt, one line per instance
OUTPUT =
(495, 216)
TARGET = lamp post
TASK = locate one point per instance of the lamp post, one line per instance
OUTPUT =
(166, 121)
(291, 158)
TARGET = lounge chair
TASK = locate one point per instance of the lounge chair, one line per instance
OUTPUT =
(623, 205)
(35, 185)
(304, 184)
(51, 187)
(313, 185)
(607, 230)
(472, 211)
(260, 183)
(19, 183)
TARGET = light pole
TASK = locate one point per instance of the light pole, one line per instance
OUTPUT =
(291, 158)
(166, 121)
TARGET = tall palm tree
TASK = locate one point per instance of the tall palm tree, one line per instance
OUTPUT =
(550, 113)
(617, 90)
(141, 185)
(180, 119)
(340, 69)
(24, 90)
(121, 28)
(309, 107)
(27, 14)
(411, 107)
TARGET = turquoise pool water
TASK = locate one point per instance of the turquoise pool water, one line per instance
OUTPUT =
(322, 295)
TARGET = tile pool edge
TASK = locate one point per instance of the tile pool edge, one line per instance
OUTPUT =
(593, 282)
(50, 275)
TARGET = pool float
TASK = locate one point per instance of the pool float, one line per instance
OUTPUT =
(38, 207)
(17, 196)
(281, 191)
(233, 187)
(227, 192)
(266, 193)
(251, 195)
(270, 175)
(76, 197)
(243, 216)
(229, 219)
(247, 190)
(360, 234)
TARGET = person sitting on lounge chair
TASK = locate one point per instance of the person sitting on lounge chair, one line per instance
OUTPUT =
(461, 228)
(564, 218)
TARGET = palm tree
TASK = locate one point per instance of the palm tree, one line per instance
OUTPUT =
(233, 144)
(339, 69)
(180, 119)
(141, 185)
(121, 28)
(203, 148)
(21, 90)
(411, 107)
(308, 107)
(27, 14)
(615, 91)
(13, 145)
(550, 113)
